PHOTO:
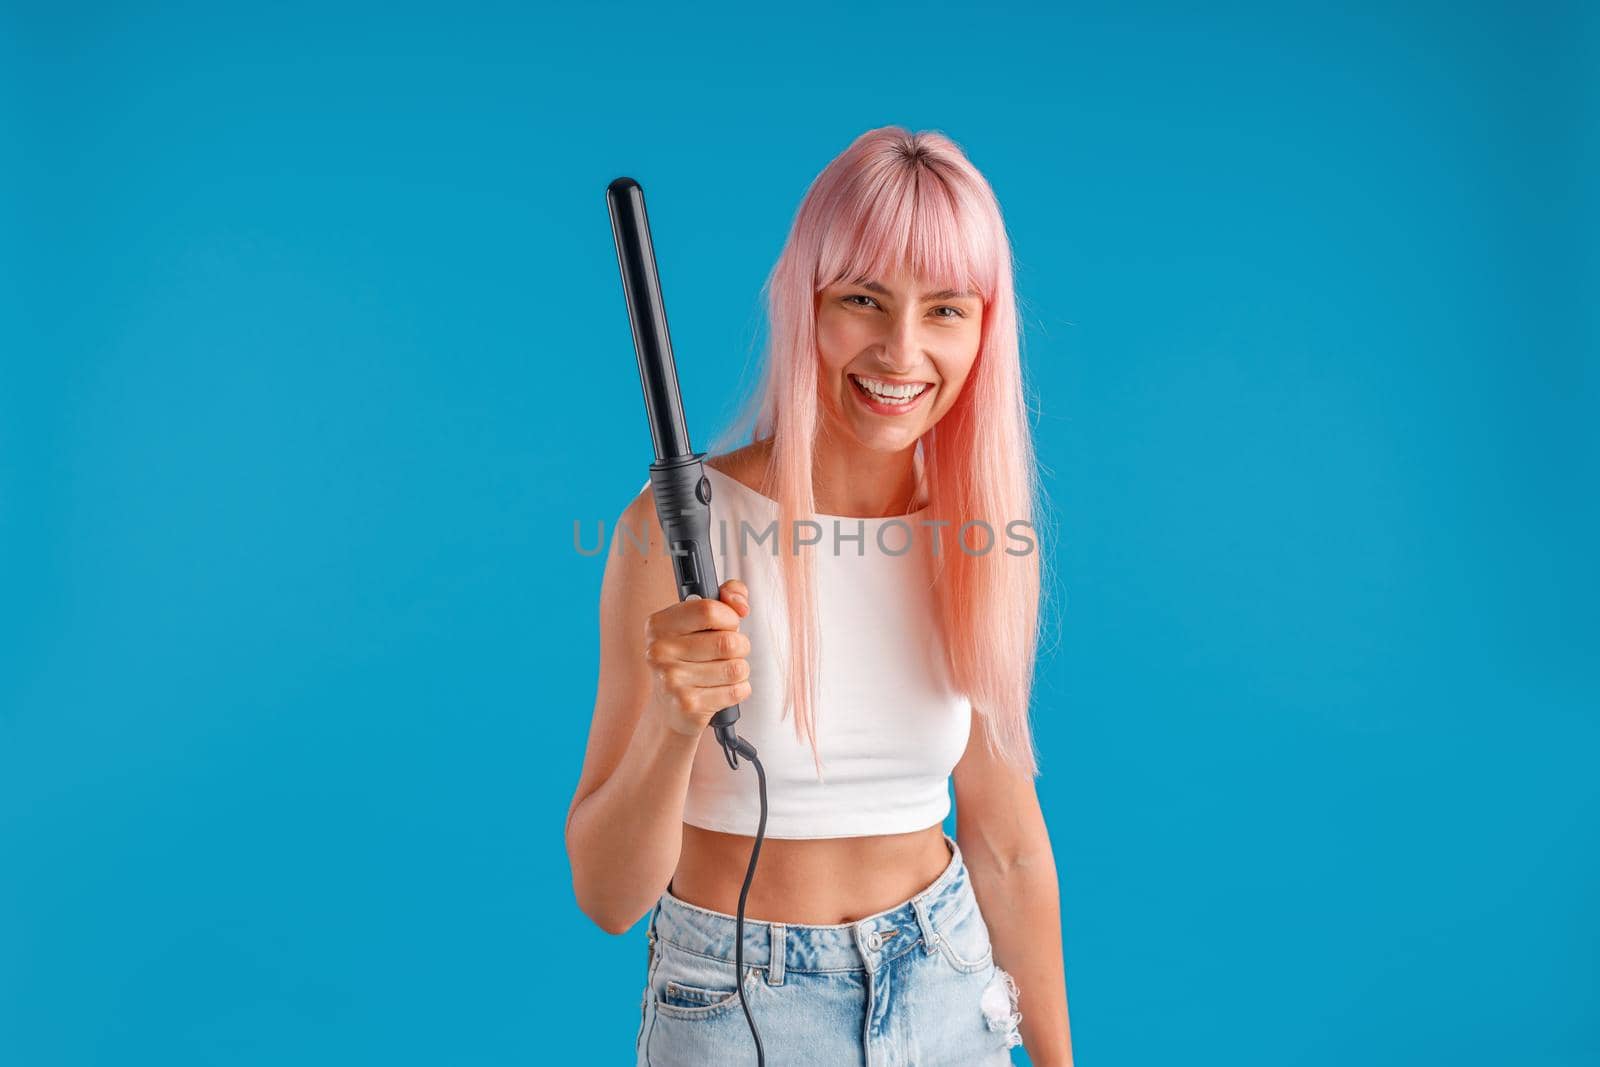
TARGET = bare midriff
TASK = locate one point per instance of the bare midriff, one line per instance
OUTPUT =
(815, 881)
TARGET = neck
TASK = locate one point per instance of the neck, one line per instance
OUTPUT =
(859, 482)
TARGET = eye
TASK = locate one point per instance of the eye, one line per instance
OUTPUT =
(958, 313)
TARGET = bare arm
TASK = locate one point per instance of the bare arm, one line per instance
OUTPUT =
(1003, 839)
(625, 824)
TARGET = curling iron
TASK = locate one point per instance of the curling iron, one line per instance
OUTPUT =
(679, 484)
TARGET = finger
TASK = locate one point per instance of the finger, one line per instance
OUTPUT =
(714, 674)
(726, 696)
(691, 616)
(735, 592)
(706, 646)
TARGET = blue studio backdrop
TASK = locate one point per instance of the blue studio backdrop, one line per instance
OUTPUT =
(314, 350)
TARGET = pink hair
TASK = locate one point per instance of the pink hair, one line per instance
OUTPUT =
(895, 198)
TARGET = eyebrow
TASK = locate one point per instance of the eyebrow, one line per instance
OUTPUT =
(942, 294)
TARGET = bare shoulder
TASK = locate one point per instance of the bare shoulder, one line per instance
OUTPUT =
(747, 464)
(639, 578)
(636, 527)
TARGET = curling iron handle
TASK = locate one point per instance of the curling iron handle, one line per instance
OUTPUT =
(683, 506)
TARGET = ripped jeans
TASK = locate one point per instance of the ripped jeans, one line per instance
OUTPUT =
(914, 985)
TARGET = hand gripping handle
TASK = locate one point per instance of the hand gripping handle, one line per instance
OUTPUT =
(683, 505)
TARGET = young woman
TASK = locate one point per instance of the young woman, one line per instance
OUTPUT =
(882, 592)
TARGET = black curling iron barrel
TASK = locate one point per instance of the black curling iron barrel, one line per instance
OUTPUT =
(677, 477)
(681, 489)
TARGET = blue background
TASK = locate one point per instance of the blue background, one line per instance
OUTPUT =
(314, 350)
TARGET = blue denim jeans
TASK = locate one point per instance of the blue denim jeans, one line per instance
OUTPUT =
(914, 985)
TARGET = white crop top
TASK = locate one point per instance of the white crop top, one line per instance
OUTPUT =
(890, 724)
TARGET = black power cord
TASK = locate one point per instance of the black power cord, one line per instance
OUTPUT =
(747, 750)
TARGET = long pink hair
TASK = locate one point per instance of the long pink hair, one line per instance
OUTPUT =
(896, 198)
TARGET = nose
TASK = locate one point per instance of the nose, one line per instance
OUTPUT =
(901, 349)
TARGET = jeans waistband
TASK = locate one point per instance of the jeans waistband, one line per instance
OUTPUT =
(858, 945)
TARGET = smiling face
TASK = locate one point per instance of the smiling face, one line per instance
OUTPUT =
(894, 355)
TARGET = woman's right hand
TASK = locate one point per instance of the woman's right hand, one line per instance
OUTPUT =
(696, 657)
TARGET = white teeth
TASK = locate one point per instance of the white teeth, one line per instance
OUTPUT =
(897, 394)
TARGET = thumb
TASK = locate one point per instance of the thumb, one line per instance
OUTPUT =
(734, 592)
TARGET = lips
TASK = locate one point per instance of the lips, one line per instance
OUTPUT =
(889, 404)
(886, 389)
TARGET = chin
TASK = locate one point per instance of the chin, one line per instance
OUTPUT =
(889, 440)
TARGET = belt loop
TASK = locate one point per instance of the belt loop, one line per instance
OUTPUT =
(775, 959)
(930, 936)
